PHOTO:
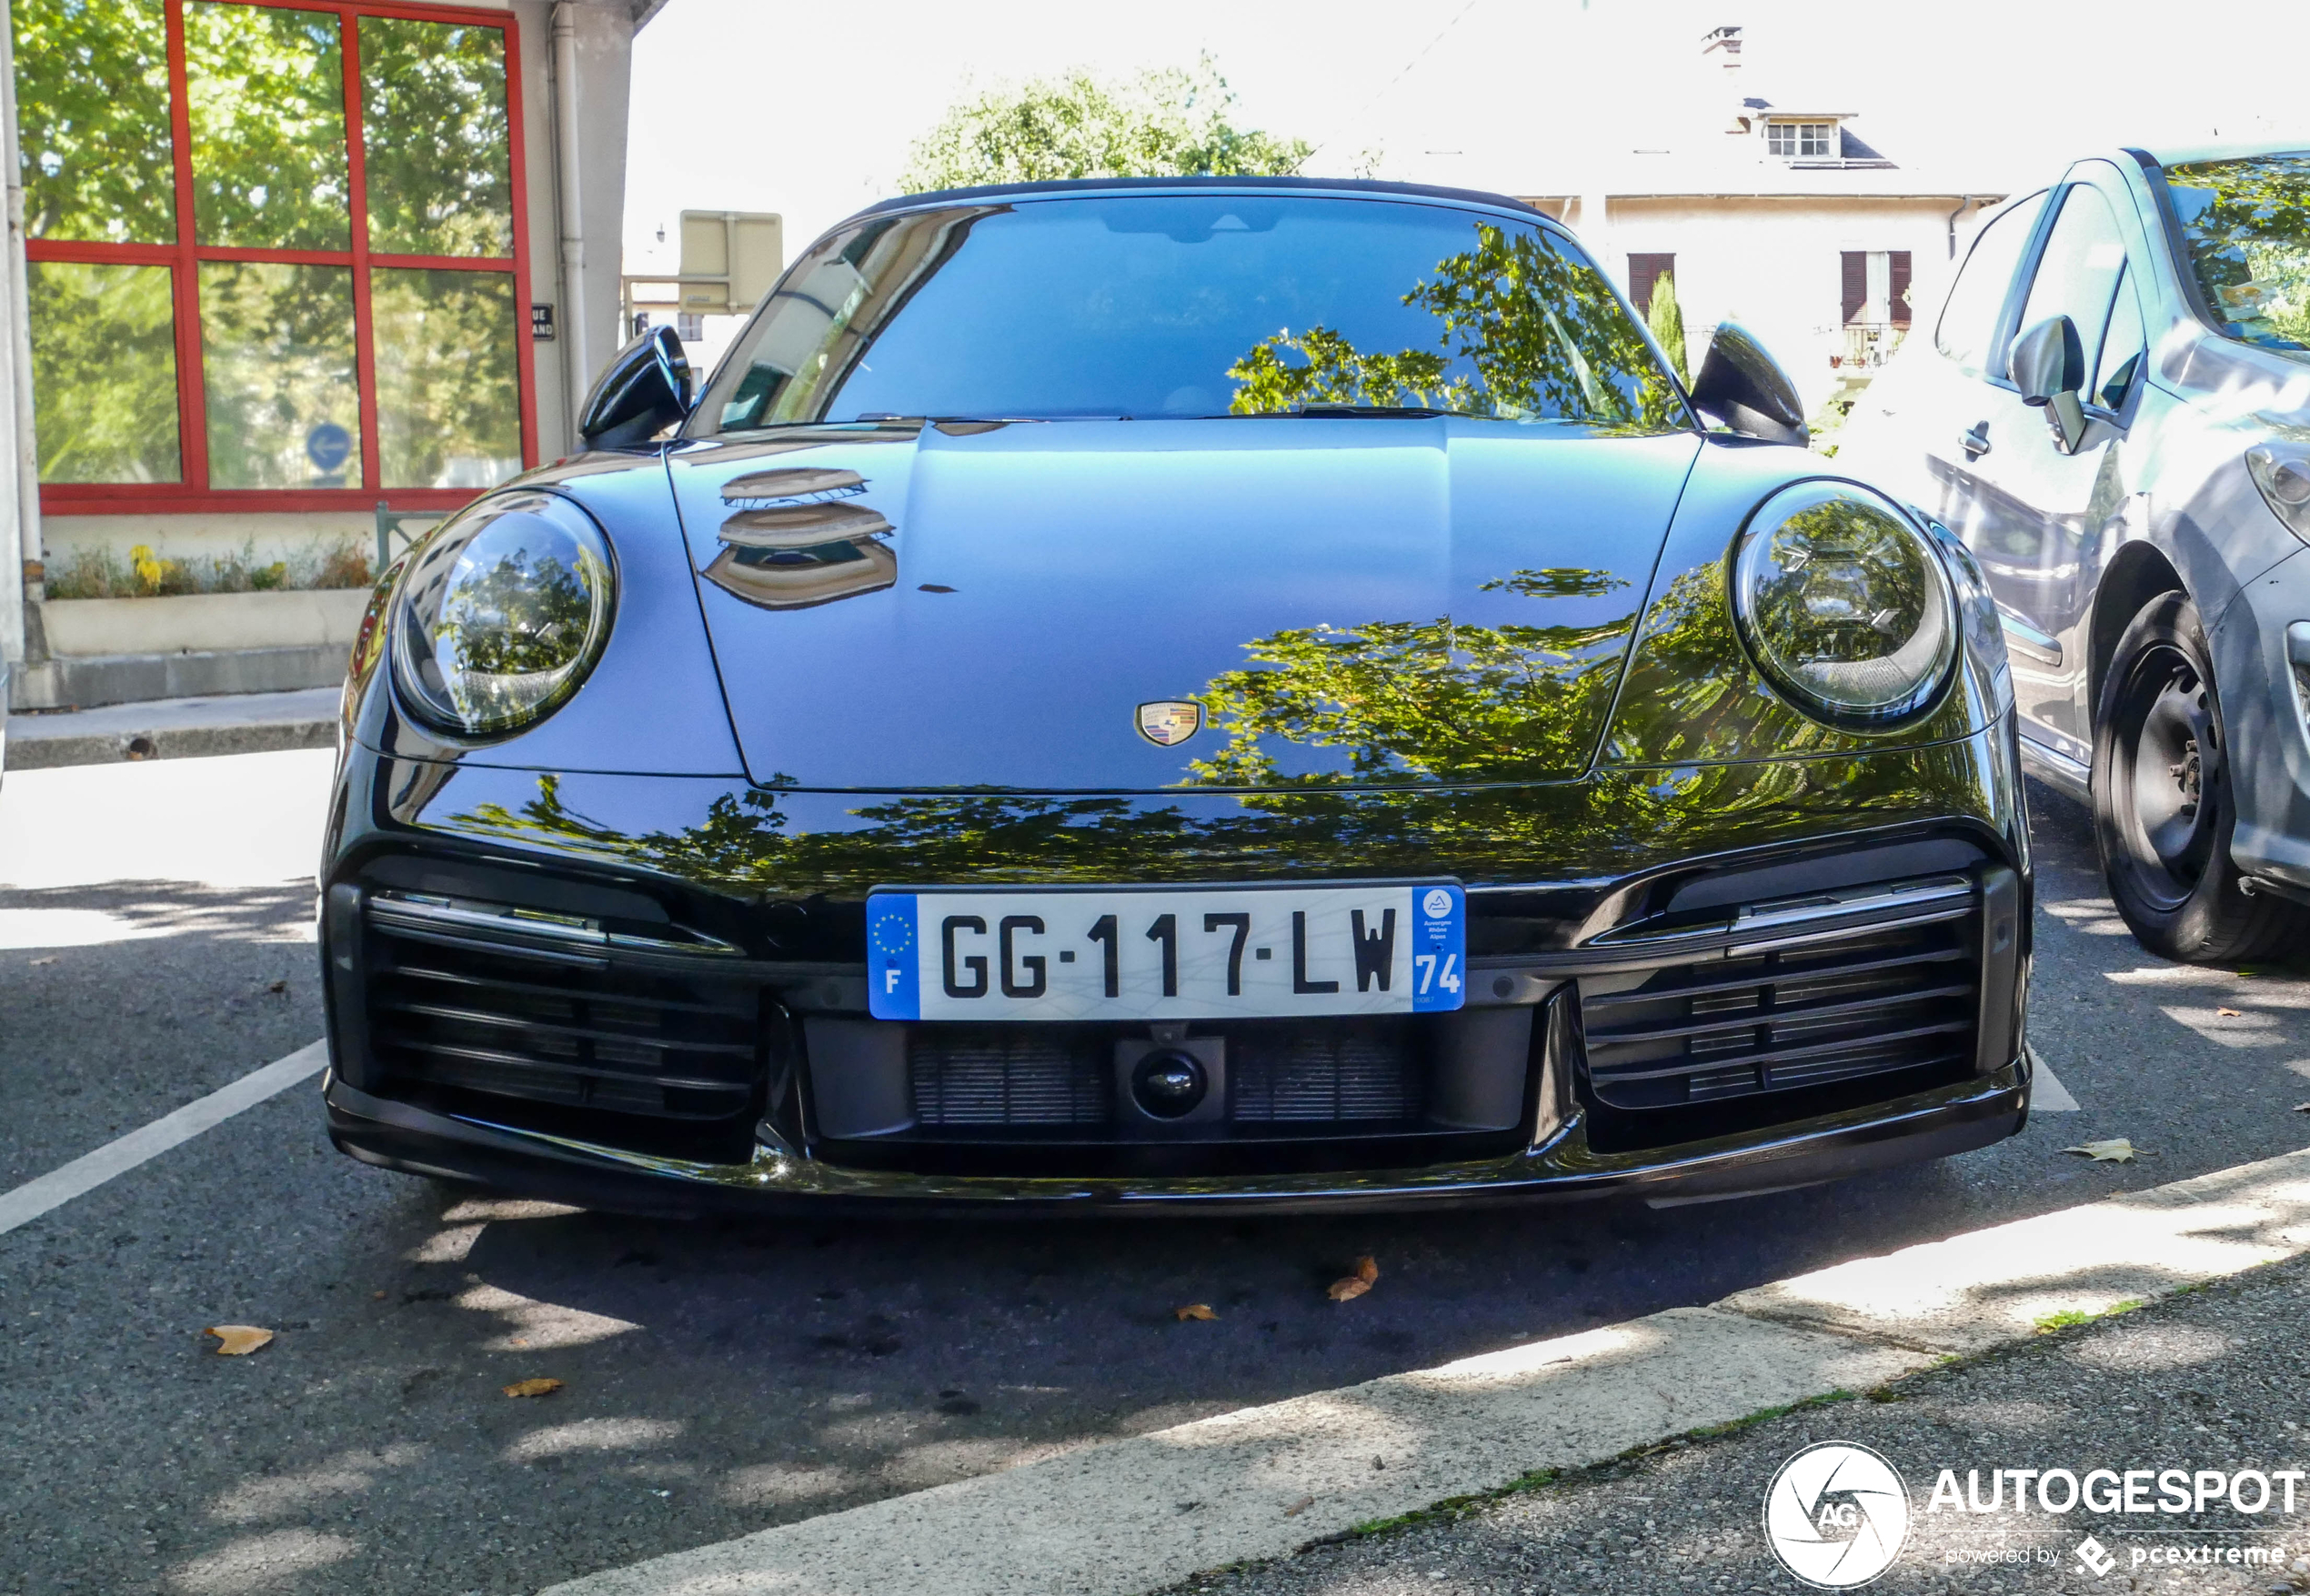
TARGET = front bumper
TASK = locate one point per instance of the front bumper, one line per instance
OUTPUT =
(677, 1066)
(1929, 1125)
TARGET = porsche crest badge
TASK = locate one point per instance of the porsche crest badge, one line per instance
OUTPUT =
(1170, 720)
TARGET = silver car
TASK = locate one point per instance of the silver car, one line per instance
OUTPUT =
(2111, 406)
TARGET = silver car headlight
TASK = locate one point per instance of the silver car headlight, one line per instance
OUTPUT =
(2281, 470)
(1843, 604)
(502, 612)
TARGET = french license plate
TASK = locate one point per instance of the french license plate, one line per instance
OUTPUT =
(1184, 953)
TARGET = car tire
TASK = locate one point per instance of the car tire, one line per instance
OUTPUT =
(2163, 810)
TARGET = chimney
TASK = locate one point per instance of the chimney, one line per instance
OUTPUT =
(1722, 45)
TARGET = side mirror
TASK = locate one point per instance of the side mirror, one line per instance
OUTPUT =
(644, 390)
(2047, 364)
(1743, 387)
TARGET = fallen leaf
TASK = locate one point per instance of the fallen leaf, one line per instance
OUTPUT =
(2230, 1013)
(1299, 1507)
(377, 1296)
(239, 1339)
(2115, 1151)
(1367, 1270)
(1193, 1311)
(533, 1388)
(1349, 1289)
(277, 987)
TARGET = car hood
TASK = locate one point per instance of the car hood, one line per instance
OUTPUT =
(1305, 602)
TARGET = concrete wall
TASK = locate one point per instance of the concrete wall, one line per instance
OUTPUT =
(1773, 265)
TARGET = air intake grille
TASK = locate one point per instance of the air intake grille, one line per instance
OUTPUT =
(574, 1034)
(981, 1075)
(1869, 1004)
(1369, 1073)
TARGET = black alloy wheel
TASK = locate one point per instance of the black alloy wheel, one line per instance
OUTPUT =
(2163, 809)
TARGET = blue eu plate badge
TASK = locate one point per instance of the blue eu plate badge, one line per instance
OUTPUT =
(1166, 953)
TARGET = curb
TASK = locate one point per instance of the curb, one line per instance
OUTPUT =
(30, 752)
(1121, 1517)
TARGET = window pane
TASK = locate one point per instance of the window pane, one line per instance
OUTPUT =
(438, 165)
(266, 90)
(91, 120)
(276, 352)
(2123, 347)
(104, 372)
(1969, 319)
(2077, 276)
(448, 408)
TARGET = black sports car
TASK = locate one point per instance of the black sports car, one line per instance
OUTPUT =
(1179, 694)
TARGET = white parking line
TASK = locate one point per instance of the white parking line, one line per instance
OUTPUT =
(28, 1201)
(2047, 1094)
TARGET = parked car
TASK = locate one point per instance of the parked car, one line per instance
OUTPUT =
(2111, 407)
(1192, 693)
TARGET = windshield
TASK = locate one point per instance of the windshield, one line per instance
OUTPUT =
(2246, 224)
(1172, 305)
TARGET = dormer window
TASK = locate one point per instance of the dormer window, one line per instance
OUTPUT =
(1797, 141)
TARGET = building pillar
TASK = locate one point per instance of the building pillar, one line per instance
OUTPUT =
(19, 470)
(591, 60)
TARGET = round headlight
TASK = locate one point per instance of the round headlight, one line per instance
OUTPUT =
(502, 613)
(1844, 605)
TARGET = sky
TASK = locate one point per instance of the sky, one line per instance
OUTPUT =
(810, 110)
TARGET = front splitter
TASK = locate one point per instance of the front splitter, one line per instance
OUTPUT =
(1927, 1125)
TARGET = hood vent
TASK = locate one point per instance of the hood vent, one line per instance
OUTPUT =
(795, 543)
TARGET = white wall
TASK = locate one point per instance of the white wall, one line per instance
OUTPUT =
(1775, 266)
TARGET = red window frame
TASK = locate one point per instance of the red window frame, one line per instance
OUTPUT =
(184, 256)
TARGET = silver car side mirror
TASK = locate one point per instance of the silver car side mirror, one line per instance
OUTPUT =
(2047, 364)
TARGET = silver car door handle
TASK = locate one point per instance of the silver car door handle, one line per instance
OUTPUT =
(1976, 440)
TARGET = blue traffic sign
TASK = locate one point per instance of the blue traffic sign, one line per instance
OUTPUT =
(328, 445)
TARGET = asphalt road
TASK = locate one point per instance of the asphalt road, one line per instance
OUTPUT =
(719, 1377)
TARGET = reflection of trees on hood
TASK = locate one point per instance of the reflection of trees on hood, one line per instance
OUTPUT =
(1693, 695)
(1542, 333)
(1426, 700)
(2248, 223)
(754, 844)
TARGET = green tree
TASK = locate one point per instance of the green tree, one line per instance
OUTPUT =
(1171, 123)
(1666, 318)
(91, 120)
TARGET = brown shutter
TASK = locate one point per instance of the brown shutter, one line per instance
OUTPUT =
(1857, 284)
(1645, 273)
(1899, 288)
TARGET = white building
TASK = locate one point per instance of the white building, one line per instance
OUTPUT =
(1769, 208)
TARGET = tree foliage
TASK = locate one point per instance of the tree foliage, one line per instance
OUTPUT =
(1171, 123)
(1538, 333)
(1664, 317)
(2248, 224)
(91, 120)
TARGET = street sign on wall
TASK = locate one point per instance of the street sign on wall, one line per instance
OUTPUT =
(729, 259)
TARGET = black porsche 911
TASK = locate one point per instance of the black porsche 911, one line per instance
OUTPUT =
(1169, 695)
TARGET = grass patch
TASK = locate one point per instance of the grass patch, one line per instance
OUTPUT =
(2071, 1316)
